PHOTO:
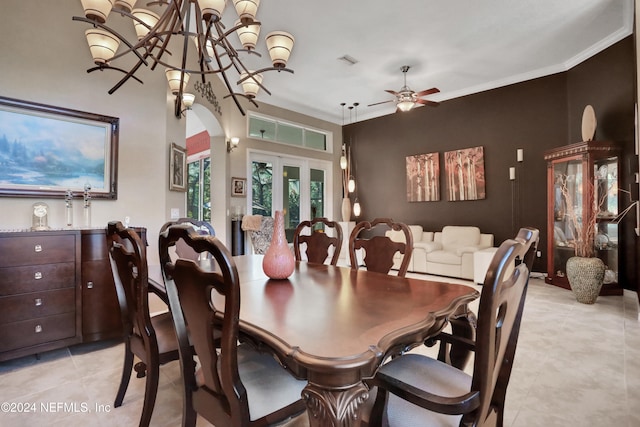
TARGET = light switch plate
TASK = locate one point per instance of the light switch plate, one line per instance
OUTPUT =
(175, 213)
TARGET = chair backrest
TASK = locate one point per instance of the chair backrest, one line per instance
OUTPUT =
(380, 249)
(201, 227)
(317, 243)
(261, 239)
(128, 256)
(499, 317)
(189, 291)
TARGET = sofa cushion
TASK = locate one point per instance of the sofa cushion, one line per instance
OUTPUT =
(454, 237)
(444, 257)
(398, 235)
(463, 249)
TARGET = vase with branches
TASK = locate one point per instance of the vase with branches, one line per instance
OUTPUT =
(585, 270)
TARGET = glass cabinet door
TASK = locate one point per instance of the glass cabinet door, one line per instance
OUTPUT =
(567, 201)
(606, 205)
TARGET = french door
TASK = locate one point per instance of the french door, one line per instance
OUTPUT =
(298, 186)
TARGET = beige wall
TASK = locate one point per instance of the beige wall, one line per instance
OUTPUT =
(44, 60)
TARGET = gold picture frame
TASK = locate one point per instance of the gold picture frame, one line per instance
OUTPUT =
(177, 168)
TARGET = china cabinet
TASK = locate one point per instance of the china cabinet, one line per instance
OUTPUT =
(588, 171)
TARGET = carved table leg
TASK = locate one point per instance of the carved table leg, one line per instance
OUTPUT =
(335, 407)
(463, 324)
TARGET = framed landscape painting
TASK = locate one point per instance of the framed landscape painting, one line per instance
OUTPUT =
(46, 151)
(423, 177)
(465, 174)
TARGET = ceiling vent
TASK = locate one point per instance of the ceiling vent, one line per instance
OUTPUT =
(348, 59)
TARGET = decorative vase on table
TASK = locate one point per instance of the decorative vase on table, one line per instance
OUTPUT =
(586, 276)
(346, 209)
(278, 262)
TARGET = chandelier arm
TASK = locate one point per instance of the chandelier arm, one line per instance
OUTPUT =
(109, 67)
(243, 95)
(115, 33)
(162, 27)
(249, 75)
(130, 74)
(226, 82)
(262, 70)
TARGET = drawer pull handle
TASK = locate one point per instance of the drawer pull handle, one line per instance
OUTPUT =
(38, 275)
(38, 302)
(89, 285)
(38, 248)
(38, 329)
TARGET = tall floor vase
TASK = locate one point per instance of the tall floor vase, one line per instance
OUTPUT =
(585, 278)
(278, 261)
(346, 209)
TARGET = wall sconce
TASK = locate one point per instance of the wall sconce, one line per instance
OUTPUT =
(520, 155)
(512, 173)
(187, 103)
(232, 144)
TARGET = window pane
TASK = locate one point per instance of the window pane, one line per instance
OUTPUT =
(289, 134)
(193, 189)
(261, 128)
(317, 193)
(262, 188)
(315, 140)
(206, 189)
(291, 199)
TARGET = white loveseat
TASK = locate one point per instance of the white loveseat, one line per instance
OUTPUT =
(446, 253)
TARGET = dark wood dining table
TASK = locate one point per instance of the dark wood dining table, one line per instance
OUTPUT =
(334, 326)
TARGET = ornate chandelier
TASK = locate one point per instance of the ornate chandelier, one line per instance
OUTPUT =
(201, 34)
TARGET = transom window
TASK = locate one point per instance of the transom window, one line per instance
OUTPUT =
(275, 130)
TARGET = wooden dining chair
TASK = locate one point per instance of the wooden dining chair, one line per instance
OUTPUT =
(379, 249)
(201, 227)
(236, 385)
(150, 338)
(317, 243)
(417, 390)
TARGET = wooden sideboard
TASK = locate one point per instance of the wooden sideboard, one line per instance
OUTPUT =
(56, 289)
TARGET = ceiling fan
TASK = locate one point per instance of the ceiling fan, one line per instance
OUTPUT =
(406, 98)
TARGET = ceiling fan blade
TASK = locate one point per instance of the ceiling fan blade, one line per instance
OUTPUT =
(392, 92)
(427, 102)
(428, 91)
(382, 102)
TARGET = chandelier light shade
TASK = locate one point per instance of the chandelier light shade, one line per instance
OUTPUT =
(174, 77)
(212, 10)
(280, 45)
(146, 19)
(248, 34)
(246, 9)
(102, 44)
(126, 5)
(251, 84)
(161, 40)
(97, 10)
(343, 162)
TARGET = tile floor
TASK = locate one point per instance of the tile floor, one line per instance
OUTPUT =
(576, 365)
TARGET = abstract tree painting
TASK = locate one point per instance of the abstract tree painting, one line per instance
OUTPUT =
(465, 174)
(423, 177)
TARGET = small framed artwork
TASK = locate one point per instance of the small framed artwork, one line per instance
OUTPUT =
(177, 168)
(238, 187)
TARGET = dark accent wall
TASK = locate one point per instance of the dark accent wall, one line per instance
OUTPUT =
(535, 115)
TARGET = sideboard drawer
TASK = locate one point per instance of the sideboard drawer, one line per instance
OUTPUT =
(37, 331)
(32, 278)
(37, 304)
(34, 249)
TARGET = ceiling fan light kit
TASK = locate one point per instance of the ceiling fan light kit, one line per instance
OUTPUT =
(406, 98)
